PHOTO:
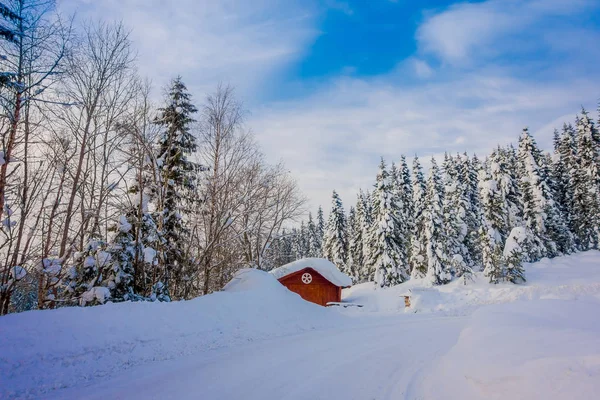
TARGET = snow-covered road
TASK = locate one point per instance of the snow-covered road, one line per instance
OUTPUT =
(257, 340)
(376, 358)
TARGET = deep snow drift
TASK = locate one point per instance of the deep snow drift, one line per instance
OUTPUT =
(45, 350)
(257, 340)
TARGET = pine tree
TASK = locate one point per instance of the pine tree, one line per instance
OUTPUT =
(368, 274)
(178, 178)
(314, 239)
(565, 169)
(503, 170)
(493, 222)
(335, 244)
(386, 256)
(586, 198)
(456, 210)
(85, 283)
(356, 240)
(418, 252)
(406, 199)
(438, 261)
(516, 245)
(540, 214)
(120, 274)
(352, 225)
(471, 209)
(320, 231)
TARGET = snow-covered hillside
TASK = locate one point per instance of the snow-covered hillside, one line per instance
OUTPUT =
(256, 340)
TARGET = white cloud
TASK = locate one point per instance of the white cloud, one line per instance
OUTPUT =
(467, 30)
(208, 41)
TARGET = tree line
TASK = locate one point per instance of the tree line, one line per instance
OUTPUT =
(107, 196)
(517, 205)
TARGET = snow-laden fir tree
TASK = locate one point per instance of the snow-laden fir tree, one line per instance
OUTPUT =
(564, 170)
(540, 213)
(456, 209)
(386, 255)
(467, 176)
(418, 251)
(406, 199)
(356, 239)
(85, 282)
(561, 234)
(314, 239)
(335, 243)
(493, 222)
(403, 230)
(354, 265)
(586, 198)
(300, 242)
(438, 260)
(178, 176)
(367, 274)
(502, 164)
(516, 245)
(120, 274)
(320, 230)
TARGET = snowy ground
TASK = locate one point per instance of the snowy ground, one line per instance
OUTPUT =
(256, 340)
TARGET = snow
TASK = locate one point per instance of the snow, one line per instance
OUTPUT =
(567, 278)
(100, 293)
(75, 346)
(515, 241)
(124, 225)
(17, 272)
(546, 349)
(324, 267)
(149, 255)
(257, 340)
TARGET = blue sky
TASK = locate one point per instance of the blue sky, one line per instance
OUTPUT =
(332, 85)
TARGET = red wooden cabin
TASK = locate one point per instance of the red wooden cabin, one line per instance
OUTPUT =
(314, 279)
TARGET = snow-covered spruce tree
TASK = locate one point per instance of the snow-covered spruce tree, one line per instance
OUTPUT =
(85, 282)
(564, 170)
(366, 273)
(438, 260)
(387, 256)
(493, 223)
(586, 198)
(356, 240)
(178, 177)
(418, 251)
(406, 199)
(314, 239)
(540, 214)
(120, 272)
(403, 229)
(516, 245)
(503, 170)
(300, 242)
(320, 231)
(335, 244)
(467, 177)
(561, 235)
(352, 225)
(456, 207)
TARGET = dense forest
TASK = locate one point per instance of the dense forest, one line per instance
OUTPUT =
(517, 205)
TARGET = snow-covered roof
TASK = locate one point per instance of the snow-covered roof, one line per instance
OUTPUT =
(324, 267)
